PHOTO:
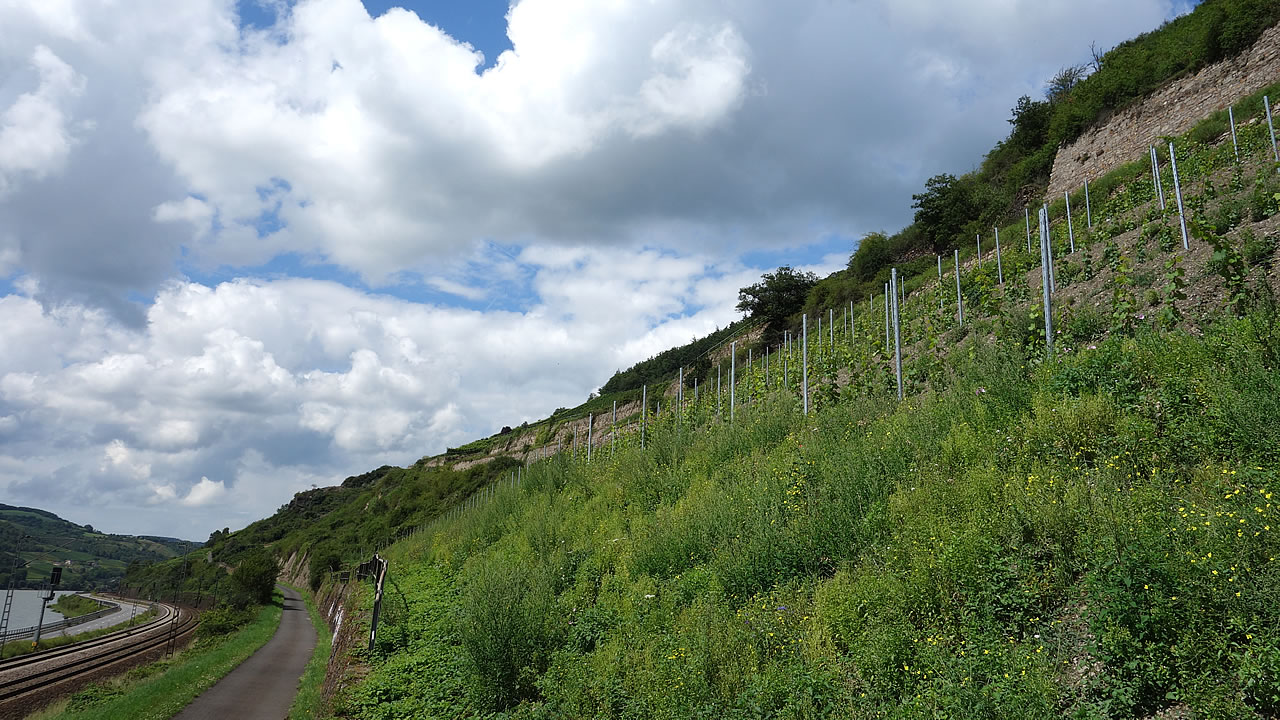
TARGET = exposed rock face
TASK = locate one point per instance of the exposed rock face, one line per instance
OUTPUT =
(1171, 110)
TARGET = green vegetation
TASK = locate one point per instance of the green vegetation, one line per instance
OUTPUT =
(1089, 536)
(309, 702)
(776, 299)
(1092, 537)
(661, 367)
(159, 690)
(952, 210)
(70, 606)
(37, 538)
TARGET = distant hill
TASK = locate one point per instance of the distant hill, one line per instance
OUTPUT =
(89, 559)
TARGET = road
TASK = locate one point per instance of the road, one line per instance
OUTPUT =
(127, 608)
(263, 687)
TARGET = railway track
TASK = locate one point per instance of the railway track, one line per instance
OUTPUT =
(31, 681)
(17, 661)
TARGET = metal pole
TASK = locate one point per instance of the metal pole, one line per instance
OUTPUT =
(1088, 208)
(999, 263)
(1231, 115)
(1266, 102)
(680, 396)
(1045, 261)
(804, 343)
(940, 282)
(886, 318)
(959, 298)
(1053, 281)
(1177, 188)
(1071, 231)
(897, 337)
(733, 371)
(1155, 176)
(40, 623)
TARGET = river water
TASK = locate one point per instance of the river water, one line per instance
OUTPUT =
(26, 608)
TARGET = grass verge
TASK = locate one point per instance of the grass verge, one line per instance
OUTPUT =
(309, 701)
(158, 691)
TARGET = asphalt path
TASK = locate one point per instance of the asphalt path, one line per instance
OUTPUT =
(262, 687)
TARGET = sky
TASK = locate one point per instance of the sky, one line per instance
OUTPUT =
(251, 247)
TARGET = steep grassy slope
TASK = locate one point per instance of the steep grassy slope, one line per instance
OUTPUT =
(1092, 537)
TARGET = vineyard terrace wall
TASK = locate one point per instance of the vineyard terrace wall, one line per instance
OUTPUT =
(1171, 110)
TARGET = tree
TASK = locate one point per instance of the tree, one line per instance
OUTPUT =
(778, 296)
(1030, 121)
(255, 576)
(1061, 84)
(943, 209)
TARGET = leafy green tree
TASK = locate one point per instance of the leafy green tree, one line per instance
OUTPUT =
(779, 295)
(324, 559)
(255, 576)
(943, 209)
(1030, 123)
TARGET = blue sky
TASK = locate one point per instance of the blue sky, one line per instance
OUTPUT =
(234, 264)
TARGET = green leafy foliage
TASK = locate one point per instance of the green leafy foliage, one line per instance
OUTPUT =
(255, 577)
(777, 297)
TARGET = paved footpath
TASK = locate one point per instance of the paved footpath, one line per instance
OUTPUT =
(262, 687)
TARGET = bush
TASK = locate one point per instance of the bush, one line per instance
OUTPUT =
(255, 577)
(324, 560)
(222, 620)
(509, 626)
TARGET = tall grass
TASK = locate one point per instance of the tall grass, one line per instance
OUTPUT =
(1092, 537)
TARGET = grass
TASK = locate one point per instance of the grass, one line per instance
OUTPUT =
(309, 702)
(1090, 537)
(71, 606)
(158, 691)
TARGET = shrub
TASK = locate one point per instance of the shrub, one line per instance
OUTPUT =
(255, 576)
(222, 620)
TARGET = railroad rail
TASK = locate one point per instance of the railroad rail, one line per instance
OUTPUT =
(30, 681)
